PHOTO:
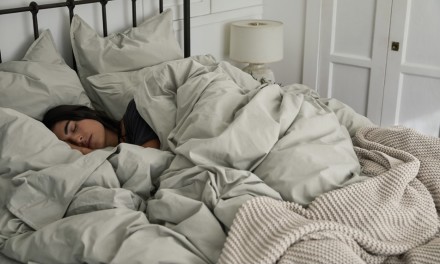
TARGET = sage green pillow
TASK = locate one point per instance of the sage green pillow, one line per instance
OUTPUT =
(40, 81)
(151, 43)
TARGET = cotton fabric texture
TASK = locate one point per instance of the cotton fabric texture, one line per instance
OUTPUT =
(150, 43)
(40, 81)
(116, 89)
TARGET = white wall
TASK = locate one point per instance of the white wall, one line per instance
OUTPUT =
(292, 14)
(210, 33)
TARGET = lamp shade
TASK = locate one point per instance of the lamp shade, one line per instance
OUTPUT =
(256, 41)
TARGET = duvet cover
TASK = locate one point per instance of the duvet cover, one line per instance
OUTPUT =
(225, 139)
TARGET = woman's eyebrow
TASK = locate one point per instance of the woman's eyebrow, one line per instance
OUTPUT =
(66, 127)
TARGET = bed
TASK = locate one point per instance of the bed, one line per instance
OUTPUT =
(247, 172)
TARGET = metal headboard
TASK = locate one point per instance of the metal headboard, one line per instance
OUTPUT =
(33, 8)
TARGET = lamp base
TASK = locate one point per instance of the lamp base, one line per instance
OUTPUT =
(260, 72)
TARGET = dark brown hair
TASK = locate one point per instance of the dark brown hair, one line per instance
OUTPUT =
(77, 113)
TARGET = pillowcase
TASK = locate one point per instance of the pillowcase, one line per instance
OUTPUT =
(26, 144)
(347, 116)
(152, 42)
(40, 81)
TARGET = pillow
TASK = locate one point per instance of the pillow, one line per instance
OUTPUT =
(347, 116)
(40, 81)
(152, 42)
(26, 144)
(116, 89)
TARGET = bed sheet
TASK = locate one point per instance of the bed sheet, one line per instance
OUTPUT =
(93, 210)
(226, 139)
(6, 260)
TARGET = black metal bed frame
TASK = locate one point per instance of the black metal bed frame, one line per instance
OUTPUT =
(33, 8)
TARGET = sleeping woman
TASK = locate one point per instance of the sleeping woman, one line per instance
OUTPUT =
(85, 129)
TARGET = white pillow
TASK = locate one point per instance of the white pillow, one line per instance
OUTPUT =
(40, 81)
(151, 43)
(26, 144)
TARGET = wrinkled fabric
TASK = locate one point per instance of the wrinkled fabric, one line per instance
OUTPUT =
(224, 140)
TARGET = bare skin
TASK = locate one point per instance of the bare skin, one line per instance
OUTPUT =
(87, 135)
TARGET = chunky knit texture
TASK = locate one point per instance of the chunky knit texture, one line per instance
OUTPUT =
(393, 217)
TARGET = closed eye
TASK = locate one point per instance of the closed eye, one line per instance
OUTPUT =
(66, 127)
(70, 127)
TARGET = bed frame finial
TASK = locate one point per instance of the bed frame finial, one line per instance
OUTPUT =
(71, 5)
(34, 8)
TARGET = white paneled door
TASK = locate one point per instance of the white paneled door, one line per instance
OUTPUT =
(378, 56)
(412, 86)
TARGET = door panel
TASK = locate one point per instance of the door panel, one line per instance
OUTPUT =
(423, 33)
(351, 52)
(419, 106)
(411, 95)
(353, 27)
(357, 83)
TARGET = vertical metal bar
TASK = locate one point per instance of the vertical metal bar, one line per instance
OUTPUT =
(160, 6)
(71, 6)
(104, 17)
(34, 10)
(133, 10)
(0, 56)
(186, 28)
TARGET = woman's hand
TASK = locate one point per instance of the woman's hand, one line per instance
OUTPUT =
(153, 143)
(83, 150)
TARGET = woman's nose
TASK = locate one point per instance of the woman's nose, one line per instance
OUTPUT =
(79, 139)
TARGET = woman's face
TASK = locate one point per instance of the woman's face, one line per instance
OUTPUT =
(87, 133)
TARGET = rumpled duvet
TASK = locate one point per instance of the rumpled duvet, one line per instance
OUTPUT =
(391, 218)
(225, 139)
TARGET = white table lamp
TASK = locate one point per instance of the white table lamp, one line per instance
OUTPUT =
(257, 42)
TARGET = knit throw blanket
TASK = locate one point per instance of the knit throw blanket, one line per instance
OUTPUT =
(393, 217)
